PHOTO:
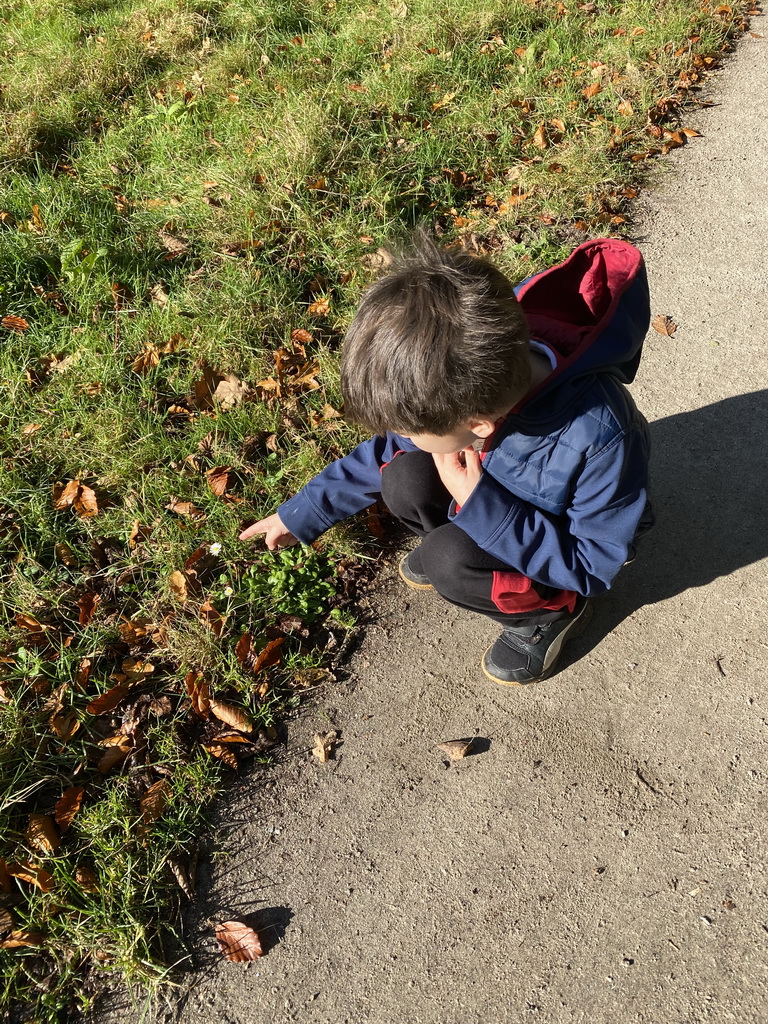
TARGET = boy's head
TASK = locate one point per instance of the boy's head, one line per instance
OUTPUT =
(436, 344)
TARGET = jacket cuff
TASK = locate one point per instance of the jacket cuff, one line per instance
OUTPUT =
(302, 518)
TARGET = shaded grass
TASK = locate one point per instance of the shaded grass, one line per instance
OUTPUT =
(283, 144)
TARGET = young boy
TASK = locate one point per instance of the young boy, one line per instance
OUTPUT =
(505, 438)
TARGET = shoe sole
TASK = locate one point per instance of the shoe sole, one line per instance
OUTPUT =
(411, 583)
(578, 625)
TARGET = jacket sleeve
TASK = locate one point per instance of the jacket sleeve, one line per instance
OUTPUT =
(584, 548)
(343, 488)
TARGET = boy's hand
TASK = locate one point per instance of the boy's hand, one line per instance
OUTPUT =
(460, 472)
(275, 533)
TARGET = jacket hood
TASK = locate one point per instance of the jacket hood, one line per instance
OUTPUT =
(593, 310)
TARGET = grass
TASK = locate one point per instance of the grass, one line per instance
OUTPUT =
(186, 188)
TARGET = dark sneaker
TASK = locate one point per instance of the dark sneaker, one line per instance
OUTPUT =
(528, 654)
(410, 572)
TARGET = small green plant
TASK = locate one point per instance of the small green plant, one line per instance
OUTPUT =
(292, 582)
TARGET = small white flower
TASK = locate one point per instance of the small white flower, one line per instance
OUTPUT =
(228, 591)
(215, 549)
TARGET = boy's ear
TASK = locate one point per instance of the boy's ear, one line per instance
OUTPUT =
(482, 427)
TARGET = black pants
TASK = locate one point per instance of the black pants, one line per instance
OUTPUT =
(459, 570)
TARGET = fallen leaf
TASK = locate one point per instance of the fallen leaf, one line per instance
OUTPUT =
(107, 701)
(456, 749)
(146, 360)
(138, 533)
(174, 244)
(154, 801)
(232, 715)
(199, 693)
(136, 669)
(65, 724)
(41, 833)
(30, 428)
(664, 325)
(88, 603)
(22, 938)
(218, 479)
(184, 874)
(270, 656)
(118, 748)
(626, 108)
(591, 90)
(325, 745)
(212, 618)
(185, 508)
(238, 942)
(540, 137)
(159, 294)
(33, 874)
(320, 307)
(68, 805)
(223, 753)
(64, 494)
(86, 879)
(14, 323)
(178, 584)
(444, 100)
(85, 502)
(300, 336)
(243, 648)
(6, 921)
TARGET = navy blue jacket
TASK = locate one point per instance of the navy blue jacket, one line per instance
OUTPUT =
(564, 489)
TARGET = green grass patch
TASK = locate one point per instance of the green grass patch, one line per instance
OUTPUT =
(192, 196)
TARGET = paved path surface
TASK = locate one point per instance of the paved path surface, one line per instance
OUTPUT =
(603, 858)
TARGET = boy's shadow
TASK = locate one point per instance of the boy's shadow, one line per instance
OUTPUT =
(709, 474)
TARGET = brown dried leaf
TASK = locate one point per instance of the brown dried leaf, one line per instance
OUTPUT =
(185, 508)
(136, 669)
(270, 656)
(138, 533)
(212, 618)
(6, 921)
(33, 874)
(178, 584)
(154, 801)
(68, 805)
(65, 494)
(325, 745)
(146, 360)
(107, 701)
(591, 90)
(300, 336)
(119, 748)
(243, 648)
(15, 323)
(626, 108)
(174, 244)
(223, 753)
(65, 554)
(41, 833)
(540, 137)
(22, 938)
(65, 724)
(86, 879)
(85, 502)
(238, 942)
(199, 693)
(30, 623)
(87, 604)
(320, 307)
(456, 749)
(218, 479)
(664, 325)
(233, 716)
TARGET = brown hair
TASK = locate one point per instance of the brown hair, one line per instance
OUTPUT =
(438, 340)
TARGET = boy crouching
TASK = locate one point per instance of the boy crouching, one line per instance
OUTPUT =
(504, 438)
